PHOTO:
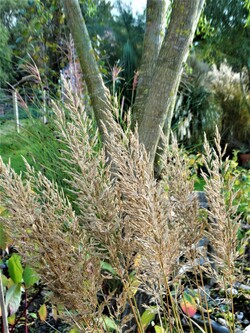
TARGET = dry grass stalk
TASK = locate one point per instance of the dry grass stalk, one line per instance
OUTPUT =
(224, 221)
(126, 218)
(46, 231)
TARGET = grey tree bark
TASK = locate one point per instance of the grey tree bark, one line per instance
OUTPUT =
(153, 37)
(166, 75)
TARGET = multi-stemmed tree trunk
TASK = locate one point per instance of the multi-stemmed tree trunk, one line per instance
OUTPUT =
(166, 72)
(161, 68)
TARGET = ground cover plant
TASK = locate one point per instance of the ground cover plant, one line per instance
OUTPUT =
(128, 253)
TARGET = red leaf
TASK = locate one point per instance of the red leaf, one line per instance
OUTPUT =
(188, 304)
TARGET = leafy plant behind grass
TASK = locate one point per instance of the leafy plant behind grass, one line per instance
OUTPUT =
(132, 235)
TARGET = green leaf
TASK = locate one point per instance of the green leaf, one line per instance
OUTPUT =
(12, 319)
(33, 315)
(13, 298)
(107, 267)
(19, 39)
(74, 330)
(37, 26)
(133, 286)
(42, 312)
(159, 329)
(15, 268)
(148, 315)
(108, 324)
(30, 277)
(4, 280)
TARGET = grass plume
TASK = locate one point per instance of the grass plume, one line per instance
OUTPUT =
(147, 230)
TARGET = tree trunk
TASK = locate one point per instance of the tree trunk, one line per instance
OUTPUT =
(161, 66)
(154, 35)
(99, 94)
(167, 71)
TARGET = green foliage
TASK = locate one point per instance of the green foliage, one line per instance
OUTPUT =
(108, 268)
(15, 268)
(241, 187)
(210, 97)
(225, 33)
(34, 27)
(108, 324)
(5, 55)
(30, 277)
(204, 27)
(247, 6)
(10, 9)
(148, 316)
(4, 239)
(39, 145)
(47, 152)
(74, 330)
(159, 329)
(19, 278)
(117, 39)
(10, 12)
(13, 147)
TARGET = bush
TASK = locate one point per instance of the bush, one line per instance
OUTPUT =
(133, 240)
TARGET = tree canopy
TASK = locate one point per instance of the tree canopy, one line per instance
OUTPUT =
(229, 33)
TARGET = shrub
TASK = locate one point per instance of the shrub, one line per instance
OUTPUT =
(133, 238)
